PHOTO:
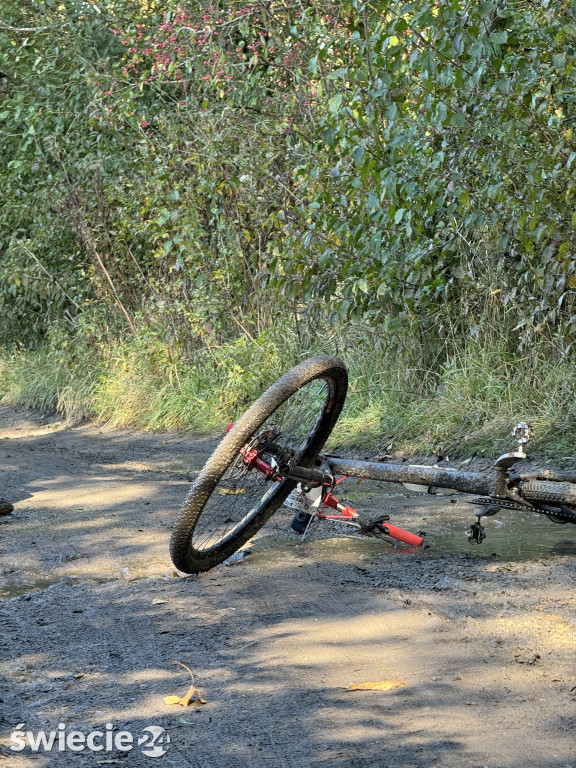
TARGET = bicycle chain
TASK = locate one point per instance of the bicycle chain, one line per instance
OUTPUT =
(560, 513)
(493, 501)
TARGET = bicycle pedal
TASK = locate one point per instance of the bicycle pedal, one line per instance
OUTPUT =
(476, 533)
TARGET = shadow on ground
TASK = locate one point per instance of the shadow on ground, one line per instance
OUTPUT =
(93, 622)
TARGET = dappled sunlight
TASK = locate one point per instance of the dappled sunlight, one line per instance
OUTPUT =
(145, 675)
(545, 631)
(304, 640)
(275, 640)
(83, 524)
(33, 429)
(87, 498)
(17, 665)
(261, 653)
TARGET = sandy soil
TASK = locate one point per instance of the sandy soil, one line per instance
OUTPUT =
(93, 619)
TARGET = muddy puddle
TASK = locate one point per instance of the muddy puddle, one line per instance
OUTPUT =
(444, 517)
(511, 535)
(21, 584)
(8, 589)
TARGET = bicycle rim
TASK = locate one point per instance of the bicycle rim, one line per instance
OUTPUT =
(242, 495)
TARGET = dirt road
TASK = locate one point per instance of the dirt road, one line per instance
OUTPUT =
(92, 621)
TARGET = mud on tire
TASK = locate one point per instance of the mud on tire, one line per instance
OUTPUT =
(227, 503)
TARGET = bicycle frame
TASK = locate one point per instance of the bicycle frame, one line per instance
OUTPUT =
(253, 460)
(498, 487)
(465, 482)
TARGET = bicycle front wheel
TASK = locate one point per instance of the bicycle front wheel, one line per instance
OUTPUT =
(233, 496)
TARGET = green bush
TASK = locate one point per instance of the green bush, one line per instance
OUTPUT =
(195, 195)
(443, 171)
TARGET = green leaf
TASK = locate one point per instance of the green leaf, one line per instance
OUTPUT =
(382, 288)
(499, 38)
(338, 73)
(358, 154)
(335, 103)
(398, 215)
(458, 120)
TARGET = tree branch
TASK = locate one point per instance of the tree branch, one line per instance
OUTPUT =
(46, 272)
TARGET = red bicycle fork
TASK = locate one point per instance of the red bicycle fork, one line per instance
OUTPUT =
(253, 460)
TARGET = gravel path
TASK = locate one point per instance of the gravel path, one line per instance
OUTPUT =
(93, 620)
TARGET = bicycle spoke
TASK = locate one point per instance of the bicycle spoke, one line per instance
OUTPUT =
(241, 492)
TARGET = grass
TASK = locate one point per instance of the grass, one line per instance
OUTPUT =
(467, 405)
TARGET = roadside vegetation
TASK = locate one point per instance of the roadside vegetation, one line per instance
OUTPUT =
(197, 195)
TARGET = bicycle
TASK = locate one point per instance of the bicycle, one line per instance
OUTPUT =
(271, 457)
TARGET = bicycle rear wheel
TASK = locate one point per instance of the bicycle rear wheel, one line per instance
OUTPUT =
(231, 498)
(549, 492)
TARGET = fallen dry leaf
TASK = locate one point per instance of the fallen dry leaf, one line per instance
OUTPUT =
(230, 491)
(192, 695)
(383, 685)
